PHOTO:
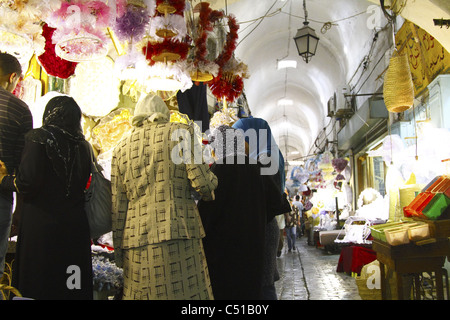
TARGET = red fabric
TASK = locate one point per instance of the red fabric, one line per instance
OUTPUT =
(88, 184)
(353, 258)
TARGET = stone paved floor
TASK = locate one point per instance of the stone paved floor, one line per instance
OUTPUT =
(309, 273)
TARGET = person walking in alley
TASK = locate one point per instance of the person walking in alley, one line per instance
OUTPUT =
(292, 221)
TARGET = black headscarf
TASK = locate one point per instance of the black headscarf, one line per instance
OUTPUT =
(61, 133)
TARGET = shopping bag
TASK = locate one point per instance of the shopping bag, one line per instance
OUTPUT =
(98, 201)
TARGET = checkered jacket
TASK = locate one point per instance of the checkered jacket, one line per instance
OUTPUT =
(151, 194)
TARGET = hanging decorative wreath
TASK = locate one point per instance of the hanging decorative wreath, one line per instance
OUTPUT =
(54, 65)
(201, 69)
(80, 34)
(231, 42)
(229, 83)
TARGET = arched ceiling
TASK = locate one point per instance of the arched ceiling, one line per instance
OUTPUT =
(264, 42)
(266, 36)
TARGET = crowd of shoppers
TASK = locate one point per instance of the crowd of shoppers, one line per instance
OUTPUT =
(169, 245)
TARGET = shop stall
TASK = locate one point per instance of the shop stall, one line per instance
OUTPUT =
(107, 54)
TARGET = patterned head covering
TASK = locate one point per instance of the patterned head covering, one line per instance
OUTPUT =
(227, 142)
(150, 108)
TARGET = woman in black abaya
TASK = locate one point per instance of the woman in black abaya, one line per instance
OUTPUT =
(53, 256)
(235, 222)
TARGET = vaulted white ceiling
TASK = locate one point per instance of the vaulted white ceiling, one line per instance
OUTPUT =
(267, 28)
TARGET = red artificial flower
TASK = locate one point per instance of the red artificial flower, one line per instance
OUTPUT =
(54, 65)
(224, 88)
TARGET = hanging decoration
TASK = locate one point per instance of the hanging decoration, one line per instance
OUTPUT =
(54, 65)
(131, 24)
(168, 21)
(299, 176)
(163, 45)
(131, 66)
(229, 84)
(224, 117)
(80, 30)
(96, 87)
(20, 30)
(325, 163)
(168, 77)
(167, 49)
(339, 165)
(200, 68)
(398, 87)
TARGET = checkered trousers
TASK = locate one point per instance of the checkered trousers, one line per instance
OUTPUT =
(173, 270)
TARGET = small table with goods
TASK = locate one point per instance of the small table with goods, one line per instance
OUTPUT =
(412, 259)
(420, 243)
(412, 247)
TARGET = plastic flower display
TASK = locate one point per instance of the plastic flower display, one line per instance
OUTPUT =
(106, 275)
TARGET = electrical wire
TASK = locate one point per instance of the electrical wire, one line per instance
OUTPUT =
(327, 22)
(261, 19)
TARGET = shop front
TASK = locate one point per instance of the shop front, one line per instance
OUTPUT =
(402, 158)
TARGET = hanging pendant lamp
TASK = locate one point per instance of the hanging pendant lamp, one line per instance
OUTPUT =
(306, 39)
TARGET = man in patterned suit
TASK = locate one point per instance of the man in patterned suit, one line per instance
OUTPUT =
(157, 230)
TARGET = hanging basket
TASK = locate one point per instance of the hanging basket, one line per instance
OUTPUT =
(398, 88)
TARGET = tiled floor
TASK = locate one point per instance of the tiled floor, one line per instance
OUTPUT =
(309, 273)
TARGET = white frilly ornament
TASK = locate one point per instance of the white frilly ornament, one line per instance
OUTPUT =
(371, 205)
(95, 87)
(19, 36)
(204, 67)
(167, 77)
(224, 117)
(175, 23)
(131, 66)
(325, 162)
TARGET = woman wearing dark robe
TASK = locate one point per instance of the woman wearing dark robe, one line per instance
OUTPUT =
(235, 222)
(263, 149)
(53, 256)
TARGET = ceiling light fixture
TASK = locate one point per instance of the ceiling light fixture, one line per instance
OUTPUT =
(285, 102)
(306, 39)
(282, 64)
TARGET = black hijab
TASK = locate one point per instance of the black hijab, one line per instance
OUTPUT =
(61, 133)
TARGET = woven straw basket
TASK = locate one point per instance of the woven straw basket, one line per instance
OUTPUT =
(398, 88)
